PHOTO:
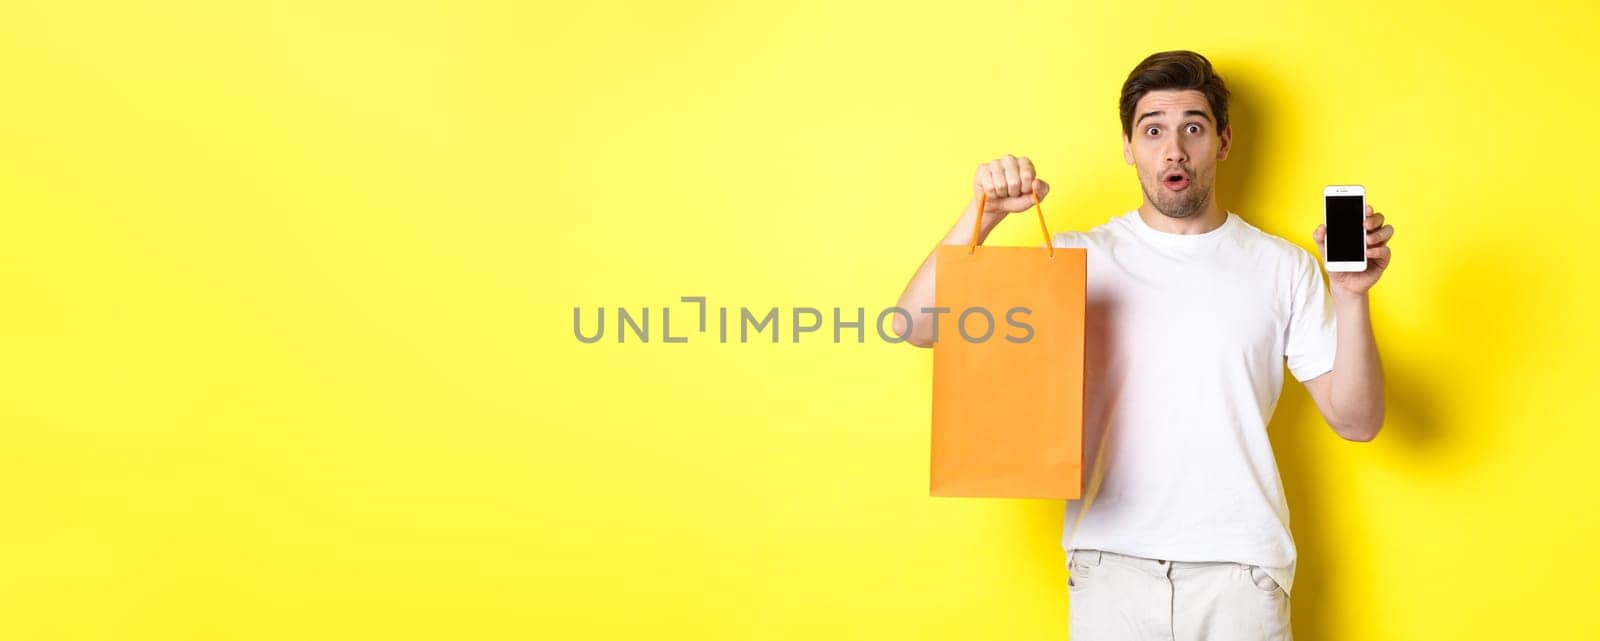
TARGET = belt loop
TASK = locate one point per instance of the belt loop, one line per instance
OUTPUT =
(1092, 557)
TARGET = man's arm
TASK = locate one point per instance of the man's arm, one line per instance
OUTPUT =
(1009, 184)
(1351, 396)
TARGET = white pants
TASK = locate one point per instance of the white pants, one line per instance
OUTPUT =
(1120, 597)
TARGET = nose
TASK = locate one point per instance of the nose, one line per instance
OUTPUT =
(1174, 153)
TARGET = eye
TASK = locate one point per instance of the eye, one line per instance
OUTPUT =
(1193, 128)
(1154, 131)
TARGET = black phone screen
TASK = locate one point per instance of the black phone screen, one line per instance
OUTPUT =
(1346, 237)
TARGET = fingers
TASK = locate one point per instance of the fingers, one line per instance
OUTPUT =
(1378, 234)
(1009, 177)
(994, 181)
(1013, 175)
(996, 187)
(1380, 237)
(994, 177)
(1025, 175)
(985, 181)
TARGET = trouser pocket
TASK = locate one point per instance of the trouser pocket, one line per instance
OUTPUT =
(1082, 568)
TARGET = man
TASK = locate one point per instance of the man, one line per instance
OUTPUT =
(1183, 530)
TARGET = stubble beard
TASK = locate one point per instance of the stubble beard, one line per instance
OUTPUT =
(1182, 204)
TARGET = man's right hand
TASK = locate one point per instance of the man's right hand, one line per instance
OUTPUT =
(1009, 184)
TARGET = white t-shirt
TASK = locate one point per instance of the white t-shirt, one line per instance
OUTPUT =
(1185, 342)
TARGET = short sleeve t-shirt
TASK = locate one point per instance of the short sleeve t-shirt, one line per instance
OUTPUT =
(1186, 338)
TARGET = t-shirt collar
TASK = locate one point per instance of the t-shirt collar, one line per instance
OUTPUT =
(1156, 235)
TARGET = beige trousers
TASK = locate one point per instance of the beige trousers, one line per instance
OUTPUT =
(1119, 597)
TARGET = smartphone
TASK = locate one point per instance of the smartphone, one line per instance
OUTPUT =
(1344, 211)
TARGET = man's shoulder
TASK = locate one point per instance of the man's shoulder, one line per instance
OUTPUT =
(1112, 227)
(1263, 242)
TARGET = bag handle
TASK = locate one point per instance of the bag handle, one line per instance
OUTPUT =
(977, 223)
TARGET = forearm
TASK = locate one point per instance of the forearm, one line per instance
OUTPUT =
(919, 292)
(1356, 389)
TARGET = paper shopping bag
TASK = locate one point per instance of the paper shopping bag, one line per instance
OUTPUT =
(1008, 409)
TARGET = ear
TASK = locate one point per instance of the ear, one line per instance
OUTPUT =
(1127, 149)
(1227, 143)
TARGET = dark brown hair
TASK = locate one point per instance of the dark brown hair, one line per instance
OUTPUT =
(1174, 70)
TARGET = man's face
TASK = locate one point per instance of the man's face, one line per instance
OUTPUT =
(1175, 147)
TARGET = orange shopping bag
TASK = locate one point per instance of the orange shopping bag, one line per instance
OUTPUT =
(1008, 410)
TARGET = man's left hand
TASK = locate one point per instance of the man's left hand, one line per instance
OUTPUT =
(1378, 235)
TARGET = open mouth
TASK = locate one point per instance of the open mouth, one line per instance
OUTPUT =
(1175, 181)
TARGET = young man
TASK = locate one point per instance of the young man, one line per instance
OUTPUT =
(1183, 530)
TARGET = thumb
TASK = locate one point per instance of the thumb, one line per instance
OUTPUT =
(1041, 187)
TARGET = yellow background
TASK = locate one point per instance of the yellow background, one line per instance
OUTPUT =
(288, 289)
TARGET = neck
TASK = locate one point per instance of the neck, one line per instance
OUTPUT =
(1209, 218)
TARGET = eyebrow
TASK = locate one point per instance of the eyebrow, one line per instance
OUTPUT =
(1191, 112)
